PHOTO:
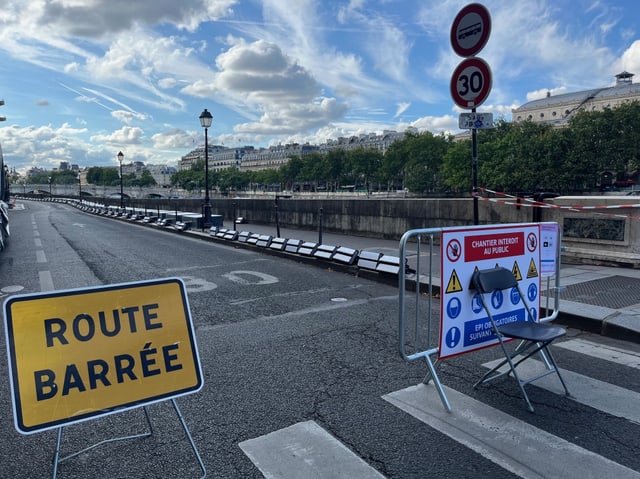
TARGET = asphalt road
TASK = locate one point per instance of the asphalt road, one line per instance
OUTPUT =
(280, 343)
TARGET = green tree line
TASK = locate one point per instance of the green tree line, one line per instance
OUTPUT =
(96, 175)
(513, 157)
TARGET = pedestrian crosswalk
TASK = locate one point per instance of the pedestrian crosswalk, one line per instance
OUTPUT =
(513, 444)
(597, 394)
(601, 351)
(305, 450)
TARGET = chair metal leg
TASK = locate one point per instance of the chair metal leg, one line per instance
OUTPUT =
(552, 359)
(551, 366)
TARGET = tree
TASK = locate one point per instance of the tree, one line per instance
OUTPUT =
(103, 176)
(425, 156)
(456, 167)
(146, 179)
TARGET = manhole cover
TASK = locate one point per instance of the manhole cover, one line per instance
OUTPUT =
(614, 292)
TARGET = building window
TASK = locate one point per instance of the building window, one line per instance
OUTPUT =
(541, 115)
(553, 114)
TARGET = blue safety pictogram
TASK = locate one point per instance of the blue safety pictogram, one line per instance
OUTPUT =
(476, 304)
(532, 292)
(454, 307)
(515, 296)
(496, 299)
(453, 337)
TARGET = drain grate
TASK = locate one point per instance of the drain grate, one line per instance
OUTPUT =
(614, 292)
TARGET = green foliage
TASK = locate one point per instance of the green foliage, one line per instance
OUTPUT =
(64, 177)
(103, 176)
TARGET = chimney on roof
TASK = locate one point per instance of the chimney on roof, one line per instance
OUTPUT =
(548, 93)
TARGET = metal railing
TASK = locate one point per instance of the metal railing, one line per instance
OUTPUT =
(419, 291)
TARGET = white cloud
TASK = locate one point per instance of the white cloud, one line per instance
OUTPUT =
(630, 60)
(126, 135)
(402, 107)
(260, 77)
(128, 116)
(42, 146)
(176, 138)
(97, 18)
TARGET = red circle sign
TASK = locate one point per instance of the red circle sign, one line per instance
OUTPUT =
(471, 83)
(470, 30)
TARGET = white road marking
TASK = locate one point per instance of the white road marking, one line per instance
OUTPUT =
(602, 351)
(511, 443)
(305, 450)
(46, 281)
(597, 394)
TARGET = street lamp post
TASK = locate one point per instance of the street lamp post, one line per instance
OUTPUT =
(120, 158)
(50, 180)
(205, 121)
(79, 188)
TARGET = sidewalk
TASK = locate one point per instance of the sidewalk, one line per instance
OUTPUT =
(600, 299)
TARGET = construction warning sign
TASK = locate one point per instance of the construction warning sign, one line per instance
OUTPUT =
(454, 285)
(464, 324)
(79, 354)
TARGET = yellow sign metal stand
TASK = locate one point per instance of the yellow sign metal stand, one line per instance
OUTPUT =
(80, 354)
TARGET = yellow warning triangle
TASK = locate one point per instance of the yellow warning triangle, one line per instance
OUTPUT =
(454, 286)
(533, 271)
(516, 271)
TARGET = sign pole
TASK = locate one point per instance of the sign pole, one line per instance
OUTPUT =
(471, 80)
(474, 163)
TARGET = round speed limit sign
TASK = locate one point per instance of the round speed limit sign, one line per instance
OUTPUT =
(471, 83)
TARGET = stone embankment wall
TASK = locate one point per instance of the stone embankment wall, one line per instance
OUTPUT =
(598, 229)
(383, 218)
(595, 229)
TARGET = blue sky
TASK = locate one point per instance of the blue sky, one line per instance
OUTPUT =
(84, 79)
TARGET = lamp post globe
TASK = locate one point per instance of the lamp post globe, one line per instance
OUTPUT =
(120, 158)
(205, 121)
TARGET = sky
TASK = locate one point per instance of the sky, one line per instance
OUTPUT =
(85, 79)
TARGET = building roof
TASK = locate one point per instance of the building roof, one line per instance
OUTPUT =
(623, 88)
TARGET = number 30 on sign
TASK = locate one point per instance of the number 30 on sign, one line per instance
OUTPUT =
(471, 83)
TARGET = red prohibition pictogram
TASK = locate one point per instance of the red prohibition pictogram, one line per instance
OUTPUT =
(454, 250)
(532, 242)
(470, 30)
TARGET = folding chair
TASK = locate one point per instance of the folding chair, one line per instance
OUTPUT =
(534, 336)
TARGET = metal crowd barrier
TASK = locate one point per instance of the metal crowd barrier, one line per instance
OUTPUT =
(419, 298)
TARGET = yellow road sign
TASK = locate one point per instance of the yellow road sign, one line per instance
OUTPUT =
(78, 354)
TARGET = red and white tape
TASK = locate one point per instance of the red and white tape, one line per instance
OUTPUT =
(527, 202)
